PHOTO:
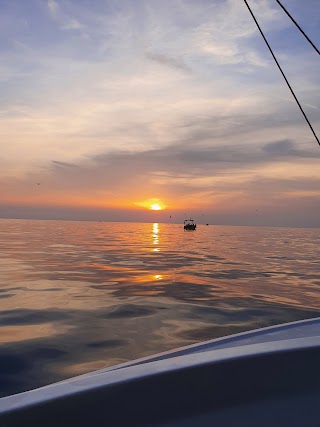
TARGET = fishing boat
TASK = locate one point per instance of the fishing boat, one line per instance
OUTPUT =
(265, 377)
(189, 224)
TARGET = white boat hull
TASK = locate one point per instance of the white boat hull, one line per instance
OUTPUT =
(265, 377)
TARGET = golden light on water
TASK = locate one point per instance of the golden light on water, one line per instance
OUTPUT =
(155, 235)
(155, 232)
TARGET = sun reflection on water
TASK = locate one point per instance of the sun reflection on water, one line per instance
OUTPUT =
(155, 235)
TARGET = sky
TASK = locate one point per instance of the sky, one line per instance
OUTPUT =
(109, 106)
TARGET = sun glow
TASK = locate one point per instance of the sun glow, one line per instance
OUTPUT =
(155, 207)
(152, 204)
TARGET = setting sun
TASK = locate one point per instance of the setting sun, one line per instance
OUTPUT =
(154, 204)
(155, 207)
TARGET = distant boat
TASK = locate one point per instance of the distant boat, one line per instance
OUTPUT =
(189, 224)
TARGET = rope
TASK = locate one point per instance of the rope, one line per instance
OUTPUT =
(298, 26)
(276, 61)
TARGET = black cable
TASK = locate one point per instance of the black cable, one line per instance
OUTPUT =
(276, 61)
(298, 26)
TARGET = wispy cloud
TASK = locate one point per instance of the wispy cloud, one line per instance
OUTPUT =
(167, 61)
(72, 24)
(58, 164)
(65, 21)
(53, 7)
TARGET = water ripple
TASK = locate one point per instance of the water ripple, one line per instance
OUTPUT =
(77, 296)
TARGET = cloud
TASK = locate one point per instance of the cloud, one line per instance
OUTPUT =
(227, 30)
(194, 161)
(72, 24)
(65, 21)
(53, 7)
(167, 61)
(58, 164)
(171, 169)
(288, 149)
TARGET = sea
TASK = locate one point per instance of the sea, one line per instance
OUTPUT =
(81, 296)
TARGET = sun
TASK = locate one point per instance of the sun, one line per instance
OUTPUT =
(155, 207)
(153, 204)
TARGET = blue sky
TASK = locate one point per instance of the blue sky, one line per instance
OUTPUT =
(111, 103)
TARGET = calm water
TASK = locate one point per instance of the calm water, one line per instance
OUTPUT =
(78, 296)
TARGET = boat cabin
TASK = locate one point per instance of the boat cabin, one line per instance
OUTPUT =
(189, 224)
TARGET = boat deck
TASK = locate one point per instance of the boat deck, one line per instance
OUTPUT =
(265, 377)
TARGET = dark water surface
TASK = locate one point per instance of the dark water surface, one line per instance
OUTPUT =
(79, 296)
